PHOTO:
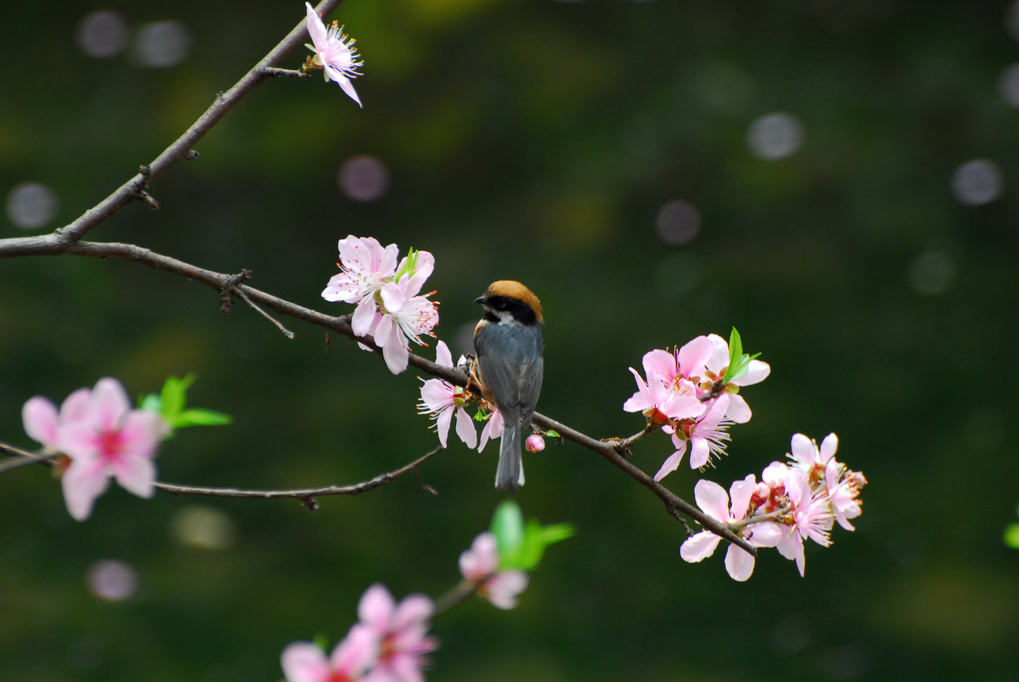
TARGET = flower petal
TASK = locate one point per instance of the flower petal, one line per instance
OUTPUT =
(358, 651)
(364, 315)
(39, 416)
(739, 563)
(376, 608)
(757, 372)
(109, 404)
(136, 474)
(828, 447)
(712, 499)
(671, 463)
(442, 355)
(699, 547)
(414, 609)
(304, 662)
(442, 422)
(465, 428)
(738, 410)
(82, 483)
(503, 588)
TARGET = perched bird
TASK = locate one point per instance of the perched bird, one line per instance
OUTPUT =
(509, 345)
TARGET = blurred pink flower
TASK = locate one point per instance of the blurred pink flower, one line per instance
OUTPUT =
(442, 399)
(334, 52)
(402, 632)
(480, 565)
(42, 422)
(306, 662)
(110, 439)
(534, 443)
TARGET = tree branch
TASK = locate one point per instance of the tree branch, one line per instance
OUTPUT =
(136, 189)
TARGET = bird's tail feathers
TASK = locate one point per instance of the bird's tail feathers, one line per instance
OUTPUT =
(509, 474)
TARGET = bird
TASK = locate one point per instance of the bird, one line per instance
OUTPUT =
(509, 344)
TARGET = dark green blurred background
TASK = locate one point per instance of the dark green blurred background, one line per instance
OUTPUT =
(537, 141)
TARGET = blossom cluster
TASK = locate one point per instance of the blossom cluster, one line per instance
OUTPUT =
(692, 394)
(389, 643)
(390, 306)
(103, 438)
(794, 501)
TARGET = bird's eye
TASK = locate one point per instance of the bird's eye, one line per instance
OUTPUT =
(501, 305)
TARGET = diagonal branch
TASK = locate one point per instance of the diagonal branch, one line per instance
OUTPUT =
(182, 149)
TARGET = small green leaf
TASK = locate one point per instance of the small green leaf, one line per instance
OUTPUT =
(200, 417)
(557, 532)
(321, 640)
(409, 265)
(508, 527)
(1012, 535)
(552, 434)
(531, 549)
(175, 395)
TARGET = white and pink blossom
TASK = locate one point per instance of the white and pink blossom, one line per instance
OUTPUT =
(334, 52)
(406, 316)
(706, 436)
(365, 267)
(493, 429)
(480, 565)
(42, 421)
(713, 501)
(443, 400)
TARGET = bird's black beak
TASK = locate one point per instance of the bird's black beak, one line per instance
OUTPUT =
(481, 299)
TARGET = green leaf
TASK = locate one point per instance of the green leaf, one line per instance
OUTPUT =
(508, 527)
(735, 357)
(175, 396)
(1012, 535)
(200, 417)
(321, 640)
(409, 265)
(552, 434)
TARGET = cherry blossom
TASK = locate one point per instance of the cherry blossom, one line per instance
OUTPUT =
(334, 52)
(442, 400)
(713, 501)
(110, 440)
(706, 437)
(365, 268)
(480, 565)
(350, 660)
(402, 632)
(406, 316)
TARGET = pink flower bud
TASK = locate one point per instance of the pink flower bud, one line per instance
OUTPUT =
(534, 443)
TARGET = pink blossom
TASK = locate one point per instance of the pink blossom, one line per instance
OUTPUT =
(811, 518)
(706, 435)
(715, 368)
(713, 501)
(808, 457)
(843, 488)
(350, 660)
(406, 316)
(365, 268)
(660, 400)
(480, 565)
(111, 440)
(42, 422)
(442, 399)
(534, 443)
(493, 429)
(334, 52)
(401, 630)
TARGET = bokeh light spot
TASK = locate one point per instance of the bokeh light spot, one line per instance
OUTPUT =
(102, 34)
(31, 205)
(363, 178)
(678, 222)
(775, 136)
(162, 44)
(1008, 85)
(931, 273)
(201, 527)
(977, 182)
(112, 580)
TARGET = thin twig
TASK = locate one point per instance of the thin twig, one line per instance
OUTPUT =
(305, 495)
(279, 325)
(273, 72)
(24, 457)
(462, 591)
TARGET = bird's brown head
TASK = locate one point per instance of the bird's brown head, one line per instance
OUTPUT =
(508, 296)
